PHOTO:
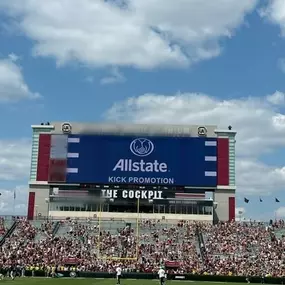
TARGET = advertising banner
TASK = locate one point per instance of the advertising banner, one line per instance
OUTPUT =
(167, 161)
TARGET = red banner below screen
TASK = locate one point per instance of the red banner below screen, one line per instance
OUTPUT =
(71, 260)
(172, 264)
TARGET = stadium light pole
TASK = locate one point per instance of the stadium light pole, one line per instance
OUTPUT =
(138, 206)
(48, 202)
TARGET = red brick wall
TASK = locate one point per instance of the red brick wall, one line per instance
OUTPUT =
(31, 205)
(223, 161)
(43, 157)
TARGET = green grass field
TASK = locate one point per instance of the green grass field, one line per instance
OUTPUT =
(91, 281)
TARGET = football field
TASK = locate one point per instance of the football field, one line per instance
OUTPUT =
(91, 281)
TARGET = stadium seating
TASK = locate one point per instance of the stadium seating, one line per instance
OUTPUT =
(242, 249)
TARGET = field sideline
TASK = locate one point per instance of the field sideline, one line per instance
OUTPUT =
(91, 281)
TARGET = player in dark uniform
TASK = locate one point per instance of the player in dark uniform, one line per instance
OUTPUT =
(12, 271)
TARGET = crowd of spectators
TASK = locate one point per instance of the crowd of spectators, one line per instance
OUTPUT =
(244, 249)
(234, 248)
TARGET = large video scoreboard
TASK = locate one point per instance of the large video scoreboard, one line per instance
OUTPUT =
(110, 159)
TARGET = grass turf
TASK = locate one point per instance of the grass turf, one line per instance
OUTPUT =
(92, 281)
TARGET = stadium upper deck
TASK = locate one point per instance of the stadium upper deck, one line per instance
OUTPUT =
(160, 171)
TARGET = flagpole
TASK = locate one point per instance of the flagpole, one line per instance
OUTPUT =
(275, 215)
(14, 198)
(275, 212)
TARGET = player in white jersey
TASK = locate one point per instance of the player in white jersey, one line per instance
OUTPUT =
(118, 274)
(161, 275)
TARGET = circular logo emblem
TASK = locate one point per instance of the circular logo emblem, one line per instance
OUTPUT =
(202, 132)
(66, 128)
(141, 147)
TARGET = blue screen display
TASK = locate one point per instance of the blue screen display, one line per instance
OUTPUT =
(169, 161)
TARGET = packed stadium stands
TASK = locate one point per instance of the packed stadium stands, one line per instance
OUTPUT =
(236, 248)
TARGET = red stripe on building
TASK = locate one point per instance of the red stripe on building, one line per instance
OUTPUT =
(223, 161)
(57, 170)
(43, 157)
(31, 205)
(232, 208)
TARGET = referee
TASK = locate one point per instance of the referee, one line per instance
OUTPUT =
(119, 275)
(161, 275)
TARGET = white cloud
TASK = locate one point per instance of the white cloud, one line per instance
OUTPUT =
(13, 57)
(279, 122)
(255, 177)
(14, 159)
(89, 79)
(281, 64)
(115, 77)
(259, 125)
(275, 12)
(280, 212)
(140, 33)
(9, 206)
(12, 83)
(276, 98)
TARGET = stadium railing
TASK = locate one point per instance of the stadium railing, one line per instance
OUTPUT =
(8, 233)
(56, 227)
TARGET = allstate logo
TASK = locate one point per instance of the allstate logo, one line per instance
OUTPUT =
(141, 147)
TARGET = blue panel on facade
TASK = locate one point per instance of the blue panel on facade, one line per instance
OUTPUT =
(146, 161)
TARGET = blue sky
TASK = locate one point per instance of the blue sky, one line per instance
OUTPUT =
(220, 62)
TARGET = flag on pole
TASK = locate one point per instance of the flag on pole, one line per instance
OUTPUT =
(14, 194)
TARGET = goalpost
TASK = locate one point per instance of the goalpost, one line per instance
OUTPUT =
(137, 238)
